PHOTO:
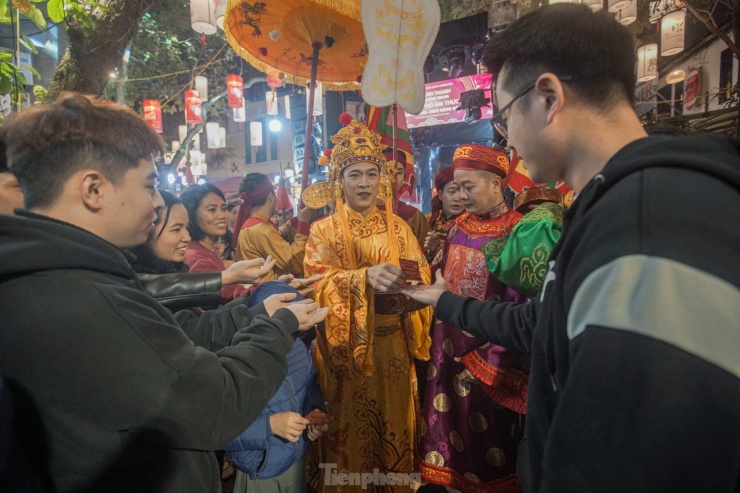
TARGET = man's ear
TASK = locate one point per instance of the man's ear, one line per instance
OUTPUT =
(550, 89)
(93, 187)
(496, 181)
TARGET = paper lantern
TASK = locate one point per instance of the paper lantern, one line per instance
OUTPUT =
(255, 134)
(318, 99)
(594, 5)
(676, 76)
(235, 90)
(240, 114)
(214, 137)
(287, 107)
(222, 136)
(273, 80)
(628, 15)
(672, 30)
(272, 103)
(219, 12)
(201, 85)
(182, 132)
(195, 142)
(617, 5)
(195, 158)
(647, 63)
(193, 107)
(202, 19)
(153, 114)
(175, 146)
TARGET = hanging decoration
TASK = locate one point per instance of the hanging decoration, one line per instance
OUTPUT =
(287, 107)
(153, 114)
(195, 142)
(594, 5)
(271, 102)
(222, 136)
(213, 135)
(399, 36)
(193, 107)
(672, 30)
(201, 85)
(255, 134)
(202, 19)
(318, 100)
(628, 15)
(273, 80)
(175, 146)
(647, 63)
(219, 12)
(240, 114)
(182, 132)
(235, 90)
(615, 6)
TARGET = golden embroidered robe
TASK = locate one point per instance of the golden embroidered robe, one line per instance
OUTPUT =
(364, 360)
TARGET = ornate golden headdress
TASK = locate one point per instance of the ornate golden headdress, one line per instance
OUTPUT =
(354, 143)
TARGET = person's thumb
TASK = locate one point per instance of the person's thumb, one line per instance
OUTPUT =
(285, 297)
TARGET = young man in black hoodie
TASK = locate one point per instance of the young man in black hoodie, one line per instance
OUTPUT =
(116, 381)
(634, 336)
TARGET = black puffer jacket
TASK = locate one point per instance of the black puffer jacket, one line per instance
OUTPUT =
(110, 368)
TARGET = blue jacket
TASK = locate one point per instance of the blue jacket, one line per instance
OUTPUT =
(259, 452)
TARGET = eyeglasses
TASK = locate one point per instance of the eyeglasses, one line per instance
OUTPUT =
(498, 121)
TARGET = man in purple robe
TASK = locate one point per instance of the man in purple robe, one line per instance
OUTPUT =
(468, 440)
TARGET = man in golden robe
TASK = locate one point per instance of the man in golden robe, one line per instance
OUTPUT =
(364, 355)
(256, 236)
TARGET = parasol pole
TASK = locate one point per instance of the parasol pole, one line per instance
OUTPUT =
(309, 117)
(394, 111)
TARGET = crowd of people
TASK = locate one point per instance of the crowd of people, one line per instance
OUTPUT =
(151, 343)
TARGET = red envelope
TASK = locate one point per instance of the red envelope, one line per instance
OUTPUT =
(317, 417)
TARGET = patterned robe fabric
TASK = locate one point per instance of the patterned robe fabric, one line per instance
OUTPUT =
(364, 360)
(469, 441)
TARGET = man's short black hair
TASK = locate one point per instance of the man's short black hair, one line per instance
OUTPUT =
(191, 199)
(567, 40)
(249, 183)
(48, 143)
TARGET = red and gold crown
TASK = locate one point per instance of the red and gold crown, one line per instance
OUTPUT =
(355, 143)
(480, 157)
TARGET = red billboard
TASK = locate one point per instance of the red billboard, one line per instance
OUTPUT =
(444, 96)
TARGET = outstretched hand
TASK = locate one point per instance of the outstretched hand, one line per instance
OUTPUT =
(385, 278)
(427, 294)
(247, 271)
(304, 286)
(308, 313)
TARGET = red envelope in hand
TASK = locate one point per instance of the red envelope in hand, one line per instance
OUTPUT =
(318, 417)
(411, 269)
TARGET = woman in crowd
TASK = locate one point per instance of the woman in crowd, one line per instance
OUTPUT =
(208, 213)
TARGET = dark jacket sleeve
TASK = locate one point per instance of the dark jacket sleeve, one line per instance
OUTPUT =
(506, 324)
(214, 329)
(184, 290)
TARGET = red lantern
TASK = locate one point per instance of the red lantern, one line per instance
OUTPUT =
(235, 90)
(273, 80)
(193, 107)
(153, 114)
